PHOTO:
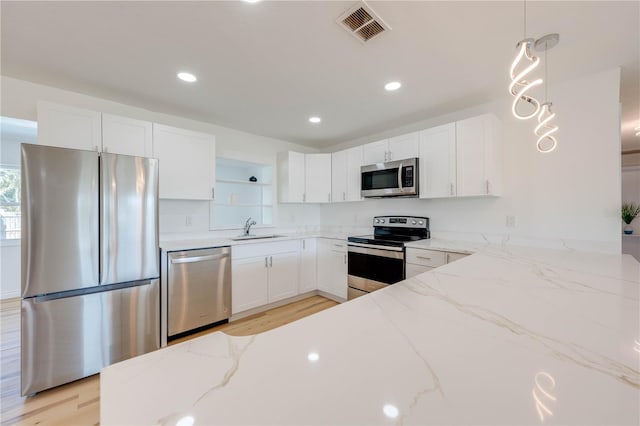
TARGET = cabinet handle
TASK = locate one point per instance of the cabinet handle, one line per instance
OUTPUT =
(304, 197)
(451, 189)
(487, 186)
(344, 196)
(266, 262)
(95, 148)
(345, 259)
(423, 257)
(338, 245)
(270, 260)
(304, 244)
(447, 258)
(329, 197)
(213, 193)
(105, 149)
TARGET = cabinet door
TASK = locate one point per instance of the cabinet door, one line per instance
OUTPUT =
(69, 127)
(413, 270)
(249, 287)
(122, 135)
(438, 162)
(470, 155)
(308, 265)
(354, 162)
(404, 146)
(325, 273)
(338, 284)
(283, 275)
(187, 163)
(339, 171)
(375, 152)
(291, 177)
(317, 178)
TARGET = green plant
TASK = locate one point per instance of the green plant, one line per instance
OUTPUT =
(629, 212)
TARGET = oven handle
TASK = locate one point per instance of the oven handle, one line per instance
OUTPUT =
(391, 252)
(400, 177)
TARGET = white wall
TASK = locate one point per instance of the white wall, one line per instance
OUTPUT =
(572, 194)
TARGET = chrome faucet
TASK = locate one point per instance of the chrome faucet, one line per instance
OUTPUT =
(247, 226)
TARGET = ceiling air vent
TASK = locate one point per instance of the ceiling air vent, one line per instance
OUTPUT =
(362, 22)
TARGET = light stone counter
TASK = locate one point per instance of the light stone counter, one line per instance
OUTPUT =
(509, 335)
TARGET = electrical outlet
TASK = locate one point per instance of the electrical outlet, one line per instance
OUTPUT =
(187, 221)
(511, 221)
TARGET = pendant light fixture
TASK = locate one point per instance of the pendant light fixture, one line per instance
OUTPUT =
(545, 129)
(520, 87)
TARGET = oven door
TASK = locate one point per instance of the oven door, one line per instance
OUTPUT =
(371, 268)
(390, 179)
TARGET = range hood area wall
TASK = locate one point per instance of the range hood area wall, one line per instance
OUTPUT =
(571, 194)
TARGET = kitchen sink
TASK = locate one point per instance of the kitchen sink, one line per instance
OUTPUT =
(255, 237)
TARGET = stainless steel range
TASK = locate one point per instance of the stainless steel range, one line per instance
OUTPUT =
(378, 260)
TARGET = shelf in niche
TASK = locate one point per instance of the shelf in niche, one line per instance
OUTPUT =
(242, 182)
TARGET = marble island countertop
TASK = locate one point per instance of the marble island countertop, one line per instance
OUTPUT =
(509, 335)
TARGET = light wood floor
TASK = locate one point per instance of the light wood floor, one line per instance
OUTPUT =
(78, 403)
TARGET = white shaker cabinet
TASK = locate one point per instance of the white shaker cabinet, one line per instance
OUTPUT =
(332, 267)
(186, 163)
(403, 146)
(478, 156)
(263, 273)
(438, 162)
(396, 148)
(345, 175)
(308, 265)
(317, 178)
(69, 127)
(291, 177)
(127, 136)
(423, 260)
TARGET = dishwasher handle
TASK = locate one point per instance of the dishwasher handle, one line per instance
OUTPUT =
(194, 259)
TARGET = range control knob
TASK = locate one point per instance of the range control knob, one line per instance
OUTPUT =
(381, 220)
(413, 222)
(421, 223)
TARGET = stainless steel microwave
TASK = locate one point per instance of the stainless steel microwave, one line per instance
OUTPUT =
(390, 179)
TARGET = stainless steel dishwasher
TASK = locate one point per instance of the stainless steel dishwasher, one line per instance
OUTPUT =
(199, 288)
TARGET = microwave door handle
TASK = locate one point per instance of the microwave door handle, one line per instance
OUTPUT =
(400, 177)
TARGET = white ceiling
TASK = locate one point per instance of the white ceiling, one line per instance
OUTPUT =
(266, 67)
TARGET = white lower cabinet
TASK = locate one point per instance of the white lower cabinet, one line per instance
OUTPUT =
(423, 260)
(308, 265)
(332, 267)
(263, 273)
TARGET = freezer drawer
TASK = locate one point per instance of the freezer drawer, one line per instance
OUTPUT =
(74, 337)
(199, 287)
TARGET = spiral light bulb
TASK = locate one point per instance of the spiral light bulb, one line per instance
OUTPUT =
(519, 84)
(545, 130)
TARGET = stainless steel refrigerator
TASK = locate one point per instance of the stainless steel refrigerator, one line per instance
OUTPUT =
(90, 263)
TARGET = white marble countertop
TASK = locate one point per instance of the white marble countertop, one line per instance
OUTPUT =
(509, 335)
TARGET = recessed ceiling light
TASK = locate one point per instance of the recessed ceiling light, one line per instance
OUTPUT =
(637, 130)
(187, 76)
(314, 119)
(252, 1)
(392, 85)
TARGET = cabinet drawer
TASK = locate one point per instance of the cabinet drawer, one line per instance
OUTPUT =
(431, 258)
(452, 257)
(412, 270)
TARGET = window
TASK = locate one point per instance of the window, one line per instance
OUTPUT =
(13, 132)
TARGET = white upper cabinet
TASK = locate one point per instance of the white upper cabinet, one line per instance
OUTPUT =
(69, 127)
(317, 178)
(123, 135)
(403, 146)
(186, 163)
(345, 175)
(396, 148)
(461, 159)
(478, 156)
(291, 177)
(438, 162)
(375, 152)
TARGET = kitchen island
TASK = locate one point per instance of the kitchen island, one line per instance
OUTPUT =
(508, 335)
